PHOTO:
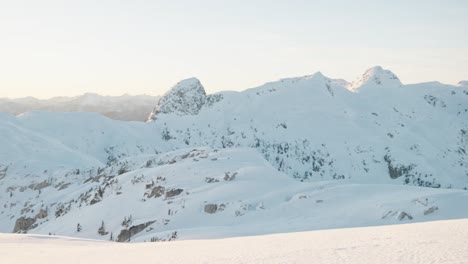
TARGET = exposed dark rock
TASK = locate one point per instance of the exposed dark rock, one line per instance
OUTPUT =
(434, 101)
(149, 185)
(126, 234)
(211, 208)
(157, 191)
(221, 207)
(431, 210)
(213, 98)
(229, 177)
(23, 224)
(404, 215)
(396, 171)
(173, 192)
(95, 200)
(211, 180)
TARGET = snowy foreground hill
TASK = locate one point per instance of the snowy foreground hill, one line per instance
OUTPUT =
(298, 154)
(125, 107)
(441, 242)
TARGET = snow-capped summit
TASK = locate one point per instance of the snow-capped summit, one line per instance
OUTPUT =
(375, 77)
(318, 75)
(463, 83)
(185, 98)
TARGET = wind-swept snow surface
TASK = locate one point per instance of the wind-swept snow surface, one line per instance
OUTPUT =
(442, 242)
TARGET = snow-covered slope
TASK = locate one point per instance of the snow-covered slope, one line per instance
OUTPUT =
(312, 128)
(207, 193)
(442, 242)
(297, 154)
(125, 107)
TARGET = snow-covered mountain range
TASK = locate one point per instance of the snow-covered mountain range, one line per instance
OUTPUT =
(297, 154)
(125, 107)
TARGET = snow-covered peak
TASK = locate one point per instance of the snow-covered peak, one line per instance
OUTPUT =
(185, 98)
(318, 75)
(463, 83)
(188, 84)
(375, 77)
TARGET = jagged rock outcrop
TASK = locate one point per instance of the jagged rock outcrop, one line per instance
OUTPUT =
(187, 97)
(126, 234)
(23, 224)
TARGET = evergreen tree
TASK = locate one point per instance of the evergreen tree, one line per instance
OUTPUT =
(102, 229)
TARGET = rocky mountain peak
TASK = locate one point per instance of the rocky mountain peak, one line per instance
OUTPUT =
(185, 98)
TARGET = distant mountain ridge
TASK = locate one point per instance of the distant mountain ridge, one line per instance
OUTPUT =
(125, 107)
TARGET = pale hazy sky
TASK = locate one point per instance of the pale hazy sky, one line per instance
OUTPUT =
(51, 48)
